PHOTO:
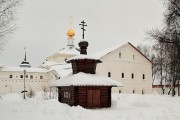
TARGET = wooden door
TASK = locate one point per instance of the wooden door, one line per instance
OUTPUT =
(93, 98)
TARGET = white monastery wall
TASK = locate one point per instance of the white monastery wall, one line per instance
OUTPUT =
(16, 83)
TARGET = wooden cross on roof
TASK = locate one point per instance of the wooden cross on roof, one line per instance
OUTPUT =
(83, 25)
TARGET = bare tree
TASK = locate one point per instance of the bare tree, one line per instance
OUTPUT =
(169, 41)
(7, 17)
(153, 55)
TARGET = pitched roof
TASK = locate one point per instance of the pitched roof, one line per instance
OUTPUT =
(83, 79)
(62, 69)
(101, 54)
(139, 52)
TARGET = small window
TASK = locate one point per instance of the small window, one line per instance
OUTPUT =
(142, 92)
(31, 77)
(119, 91)
(109, 74)
(132, 75)
(119, 55)
(133, 57)
(26, 76)
(122, 75)
(41, 77)
(133, 91)
(143, 76)
(67, 94)
(21, 76)
(10, 76)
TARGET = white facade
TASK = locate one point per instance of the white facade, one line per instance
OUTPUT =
(128, 66)
(58, 57)
(12, 79)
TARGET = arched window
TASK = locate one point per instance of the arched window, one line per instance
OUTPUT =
(31, 77)
(132, 75)
(41, 77)
(10, 76)
(109, 74)
(143, 76)
(122, 75)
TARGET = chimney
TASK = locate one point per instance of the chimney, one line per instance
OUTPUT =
(83, 46)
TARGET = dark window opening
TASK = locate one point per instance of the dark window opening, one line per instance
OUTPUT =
(109, 74)
(119, 91)
(31, 77)
(10, 76)
(132, 76)
(122, 75)
(21, 76)
(143, 76)
(142, 92)
(133, 91)
(26, 76)
(133, 57)
(41, 77)
(119, 55)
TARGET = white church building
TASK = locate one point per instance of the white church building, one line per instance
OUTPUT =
(123, 63)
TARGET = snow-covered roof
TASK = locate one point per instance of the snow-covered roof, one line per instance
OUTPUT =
(19, 69)
(48, 64)
(102, 53)
(69, 50)
(83, 79)
(62, 70)
(81, 57)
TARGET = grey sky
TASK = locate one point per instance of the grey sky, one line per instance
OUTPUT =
(42, 26)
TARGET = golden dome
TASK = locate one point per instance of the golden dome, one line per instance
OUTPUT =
(70, 33)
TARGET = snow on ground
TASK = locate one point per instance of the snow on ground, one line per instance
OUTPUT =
(124, 107)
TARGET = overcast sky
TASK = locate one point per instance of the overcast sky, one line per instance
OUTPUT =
(42, 26)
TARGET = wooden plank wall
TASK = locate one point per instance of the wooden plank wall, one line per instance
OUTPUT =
(79, 95)
(105, 95)
(82, 96)
(70, 101)
(86, 66)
